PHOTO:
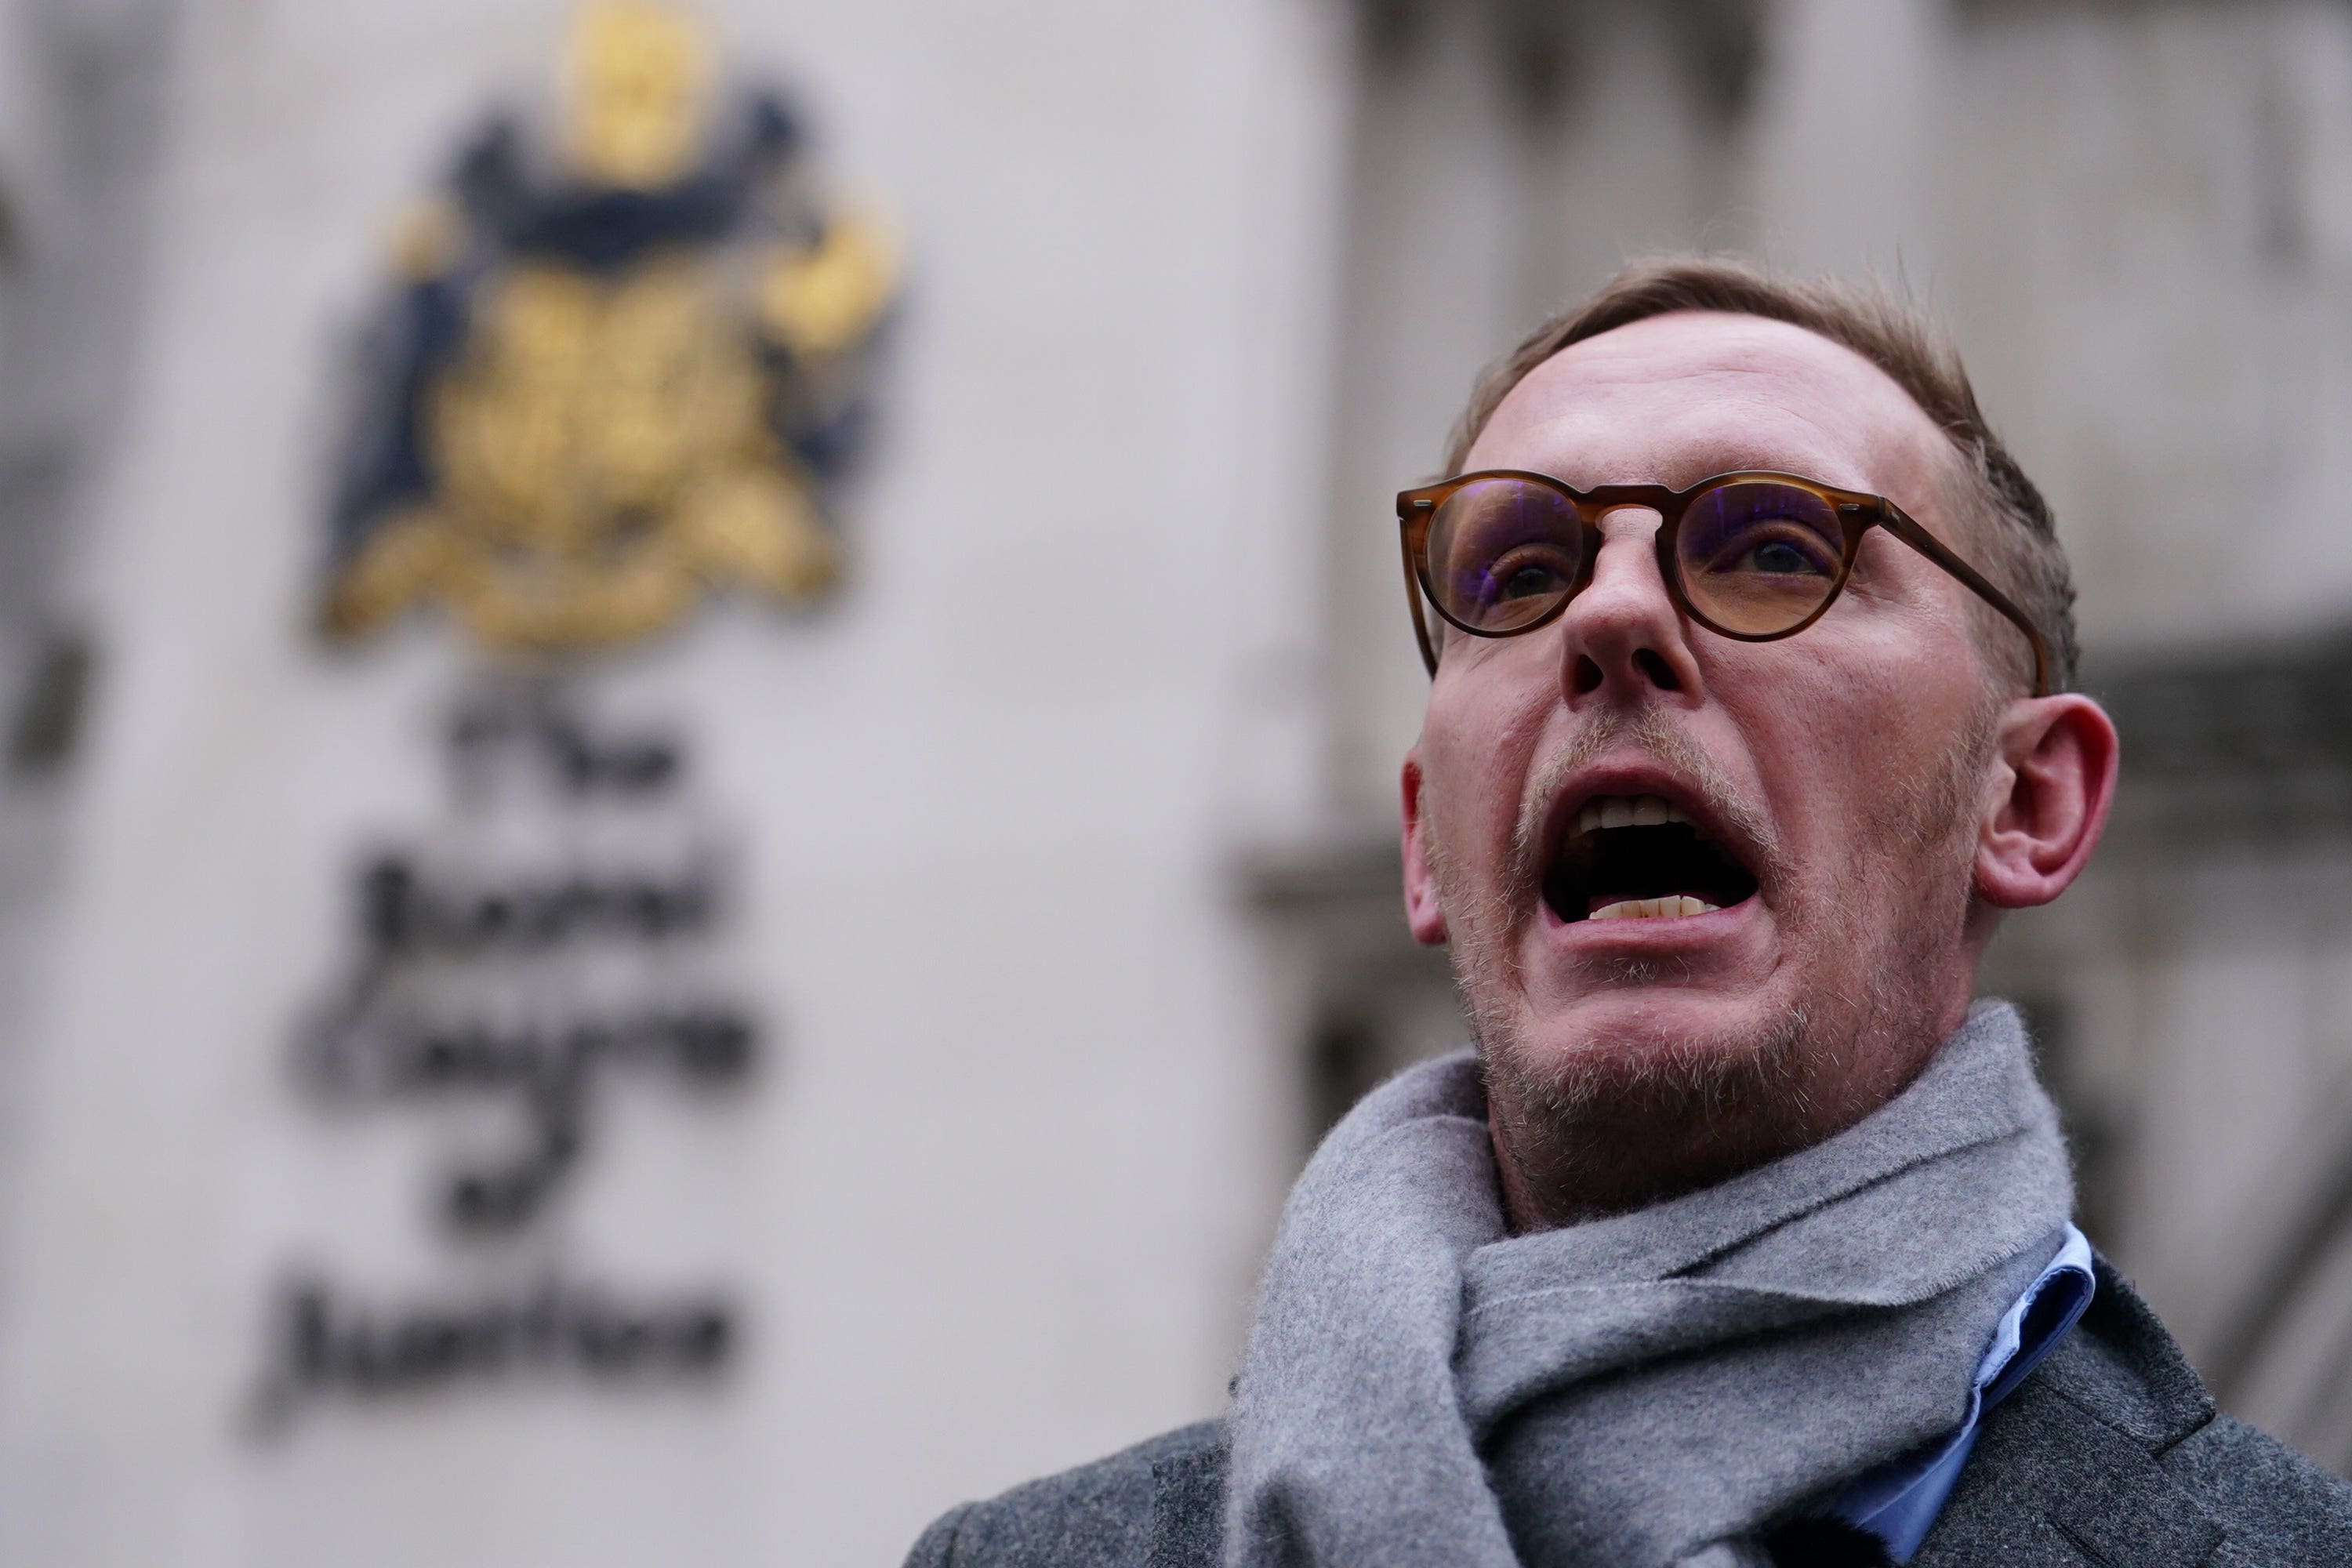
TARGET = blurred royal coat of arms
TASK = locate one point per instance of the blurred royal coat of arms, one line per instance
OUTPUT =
(628, 359)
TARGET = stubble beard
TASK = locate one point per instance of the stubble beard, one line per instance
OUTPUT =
(1598, 1128)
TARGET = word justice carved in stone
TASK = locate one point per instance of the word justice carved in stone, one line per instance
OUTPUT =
(546, 943)
(328, 1342)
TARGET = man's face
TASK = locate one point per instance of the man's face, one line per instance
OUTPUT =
(1832, 781)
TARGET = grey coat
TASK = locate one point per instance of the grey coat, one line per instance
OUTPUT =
(2110, 1453)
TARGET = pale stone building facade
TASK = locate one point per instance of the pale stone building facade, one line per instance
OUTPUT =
(1048, 866)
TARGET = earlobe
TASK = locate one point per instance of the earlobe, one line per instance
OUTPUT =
(2058, 756)
(1423, 912)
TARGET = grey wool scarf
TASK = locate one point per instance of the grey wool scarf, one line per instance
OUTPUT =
(1652, 1388)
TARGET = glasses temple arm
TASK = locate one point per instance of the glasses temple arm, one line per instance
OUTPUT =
(1412, 597)
(1911, 533)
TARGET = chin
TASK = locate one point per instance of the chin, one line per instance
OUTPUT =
(1628, 1101)
(1650, 1052)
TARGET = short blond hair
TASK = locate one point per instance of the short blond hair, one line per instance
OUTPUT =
(2009, 520)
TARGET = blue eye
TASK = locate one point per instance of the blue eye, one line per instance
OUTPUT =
(1530, 581)
(1779, 557)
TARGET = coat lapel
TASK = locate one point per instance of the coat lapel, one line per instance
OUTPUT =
(1188, 1507)
(2066, 1471)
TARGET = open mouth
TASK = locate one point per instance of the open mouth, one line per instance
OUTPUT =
(1641, 857)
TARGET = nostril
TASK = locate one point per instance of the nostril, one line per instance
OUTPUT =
(1587, 676)
(1653, 664)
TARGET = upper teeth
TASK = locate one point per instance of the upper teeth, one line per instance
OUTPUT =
(1628, 811)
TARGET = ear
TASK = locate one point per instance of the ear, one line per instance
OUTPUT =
(1421, 911)
(2055, 770)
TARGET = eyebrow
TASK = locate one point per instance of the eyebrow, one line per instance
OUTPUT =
(1681, 469)
(1682, 475)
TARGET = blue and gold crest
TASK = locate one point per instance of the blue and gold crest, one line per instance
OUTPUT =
(628, 359)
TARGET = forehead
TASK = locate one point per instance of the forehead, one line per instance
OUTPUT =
(1675, 398)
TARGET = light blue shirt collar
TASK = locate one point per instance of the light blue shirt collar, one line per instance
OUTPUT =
(1899, 1502)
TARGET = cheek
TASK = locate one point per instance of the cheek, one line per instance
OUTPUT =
(1476, 744)
(1847, 756)
(1457, 803)
(1917, 630)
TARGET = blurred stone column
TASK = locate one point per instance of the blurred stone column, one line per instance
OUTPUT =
(1844, 174)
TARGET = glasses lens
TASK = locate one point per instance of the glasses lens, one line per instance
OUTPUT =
(1758, 557)
(1502, 552)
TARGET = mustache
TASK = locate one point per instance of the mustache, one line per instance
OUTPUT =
(1650, 730)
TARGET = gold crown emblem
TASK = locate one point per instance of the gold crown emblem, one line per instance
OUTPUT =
(623, 386)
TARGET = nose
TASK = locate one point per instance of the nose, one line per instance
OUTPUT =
(1622, 638)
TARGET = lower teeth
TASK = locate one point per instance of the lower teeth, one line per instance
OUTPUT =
(1667, 907)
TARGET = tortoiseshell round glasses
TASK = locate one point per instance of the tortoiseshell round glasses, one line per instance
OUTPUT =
(1753, 555)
